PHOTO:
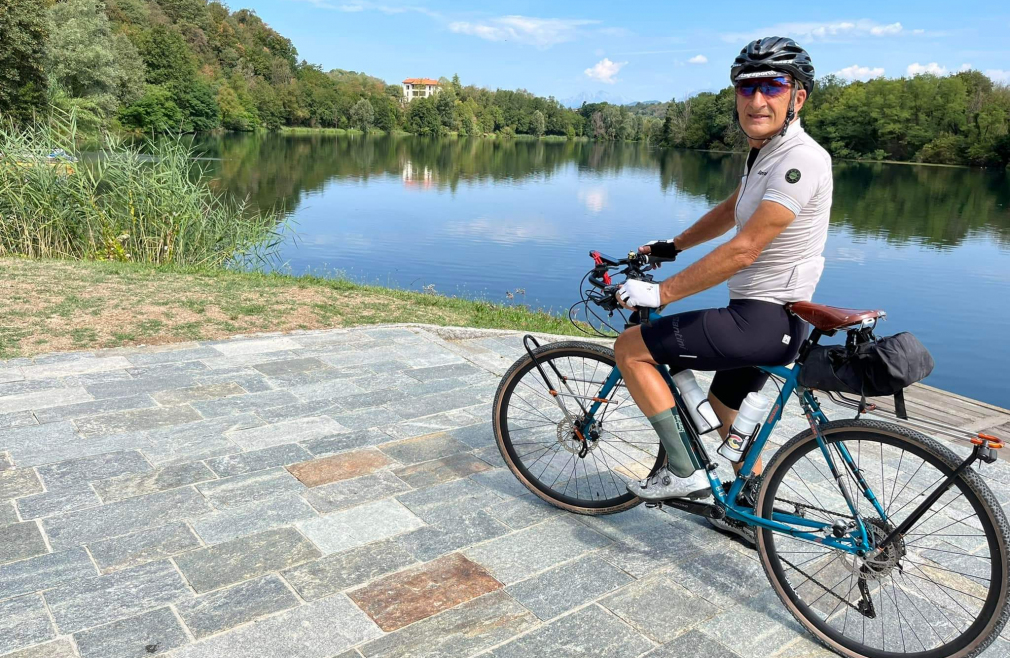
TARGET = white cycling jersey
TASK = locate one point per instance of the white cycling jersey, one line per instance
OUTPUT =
(794, 171)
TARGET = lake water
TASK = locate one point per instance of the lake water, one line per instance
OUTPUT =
(480, 218)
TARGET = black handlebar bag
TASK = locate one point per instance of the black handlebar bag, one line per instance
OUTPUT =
(882, 366)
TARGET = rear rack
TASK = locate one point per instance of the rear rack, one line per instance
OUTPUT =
(948, 431)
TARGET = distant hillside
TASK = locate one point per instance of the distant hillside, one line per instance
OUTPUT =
(191, 65)
(592, 97)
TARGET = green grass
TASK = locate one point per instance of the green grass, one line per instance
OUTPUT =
(71, 305)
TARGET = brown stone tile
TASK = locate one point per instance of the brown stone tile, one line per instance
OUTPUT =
(441, 470)
(408, 596)
(344, 466)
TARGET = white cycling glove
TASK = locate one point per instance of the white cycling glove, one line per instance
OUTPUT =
(640, 294)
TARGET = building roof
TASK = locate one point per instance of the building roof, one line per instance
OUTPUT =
(420, 81)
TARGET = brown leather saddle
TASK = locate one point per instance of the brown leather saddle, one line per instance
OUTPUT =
(830, 318)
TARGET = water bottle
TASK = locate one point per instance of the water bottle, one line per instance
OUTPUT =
(702, 413)
(744, 429)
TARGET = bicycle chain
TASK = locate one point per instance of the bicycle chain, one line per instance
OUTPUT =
(816, 509)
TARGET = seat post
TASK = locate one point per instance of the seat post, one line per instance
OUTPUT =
(815, 336)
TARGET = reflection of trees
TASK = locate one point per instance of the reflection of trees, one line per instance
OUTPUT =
(939, 206)
(712, 176)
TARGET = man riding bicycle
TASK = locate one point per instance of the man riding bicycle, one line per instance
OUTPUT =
(780, 210)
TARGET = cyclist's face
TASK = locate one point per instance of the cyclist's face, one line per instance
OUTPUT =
(762, 105)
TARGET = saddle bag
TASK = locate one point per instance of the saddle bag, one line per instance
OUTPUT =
(867, 366)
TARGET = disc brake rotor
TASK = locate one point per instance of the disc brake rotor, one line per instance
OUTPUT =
(878, 566)
(570, 441)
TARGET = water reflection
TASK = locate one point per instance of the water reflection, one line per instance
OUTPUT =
(937, 206)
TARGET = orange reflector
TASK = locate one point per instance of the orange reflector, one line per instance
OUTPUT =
(554, 393)
(989, 439)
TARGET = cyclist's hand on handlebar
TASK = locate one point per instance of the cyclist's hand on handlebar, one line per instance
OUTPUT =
(660, 250)
(634, 294)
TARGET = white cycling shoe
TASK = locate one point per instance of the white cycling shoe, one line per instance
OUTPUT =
(665, 484)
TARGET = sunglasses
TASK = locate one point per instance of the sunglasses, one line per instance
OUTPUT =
(770, 87)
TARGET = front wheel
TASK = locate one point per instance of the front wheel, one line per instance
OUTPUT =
(585, 472)
(939, 590)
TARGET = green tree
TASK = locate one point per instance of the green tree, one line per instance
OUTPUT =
(445, 105)
(456, 86)
(538, 124)
(156, 112)
(362, 115)
(423, 118)
(23, 32)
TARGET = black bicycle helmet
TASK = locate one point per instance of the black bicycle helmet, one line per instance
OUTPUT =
(774, 55)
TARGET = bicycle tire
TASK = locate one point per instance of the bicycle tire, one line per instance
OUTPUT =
(513, 459)
(994, 613)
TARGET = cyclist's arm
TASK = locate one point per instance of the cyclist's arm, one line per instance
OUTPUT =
(770, 219)
(712, 224)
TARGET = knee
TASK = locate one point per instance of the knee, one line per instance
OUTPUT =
(624, 351)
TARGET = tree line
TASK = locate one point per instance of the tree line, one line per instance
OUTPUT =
(158, 66)
(963, 118)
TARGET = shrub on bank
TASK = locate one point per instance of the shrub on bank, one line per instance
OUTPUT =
(120, 203)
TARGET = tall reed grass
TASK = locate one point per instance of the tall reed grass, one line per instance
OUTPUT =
(120, 202)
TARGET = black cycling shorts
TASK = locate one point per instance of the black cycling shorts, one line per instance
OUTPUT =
(730, 341)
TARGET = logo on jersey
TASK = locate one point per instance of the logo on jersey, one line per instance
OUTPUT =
(792, 175)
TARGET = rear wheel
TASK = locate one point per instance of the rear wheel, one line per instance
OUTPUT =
(538, 440)
(939, 590)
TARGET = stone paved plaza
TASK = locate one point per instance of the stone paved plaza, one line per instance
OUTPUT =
(327, 494)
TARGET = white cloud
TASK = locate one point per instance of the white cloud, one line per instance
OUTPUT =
(594, 199)
(999, 75)
(918, 31)
(605, 70)
(932, 68)
(885, 30)
(540, 32)
(822, 31)
(964, 67)
(350, 8)
(698, 59)
(856, 72)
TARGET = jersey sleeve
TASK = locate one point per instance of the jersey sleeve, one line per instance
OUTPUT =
(796, 178)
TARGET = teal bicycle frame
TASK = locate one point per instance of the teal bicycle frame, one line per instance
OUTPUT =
(855, 541)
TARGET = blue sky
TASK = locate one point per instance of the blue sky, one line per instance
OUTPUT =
(635, 50)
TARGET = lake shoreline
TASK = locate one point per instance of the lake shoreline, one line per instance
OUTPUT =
(69, 305)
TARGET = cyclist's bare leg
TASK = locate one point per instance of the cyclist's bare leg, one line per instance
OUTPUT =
(647, 386)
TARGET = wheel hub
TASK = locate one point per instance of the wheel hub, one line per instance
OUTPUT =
(570, 441)
(878, 563)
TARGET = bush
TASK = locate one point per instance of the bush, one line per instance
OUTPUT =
(945, 149)
(124, 205)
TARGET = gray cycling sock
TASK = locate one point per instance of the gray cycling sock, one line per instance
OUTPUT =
(679, 457)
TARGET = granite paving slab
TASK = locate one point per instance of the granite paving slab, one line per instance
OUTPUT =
(565, 587)
(150, 634)
(230, 607)
(348, 493)
(19, 541)
(78, 605)
(466, 630)
(254, 517)
(343, 466)
(240, 559)
(258, 460)
(319, 629)
(591, 631)
(357, 526)
(59, 648)
(340, 571)
(24, 622)
(277, 496)
(44, 572)
(144, 546)
(402, 598)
